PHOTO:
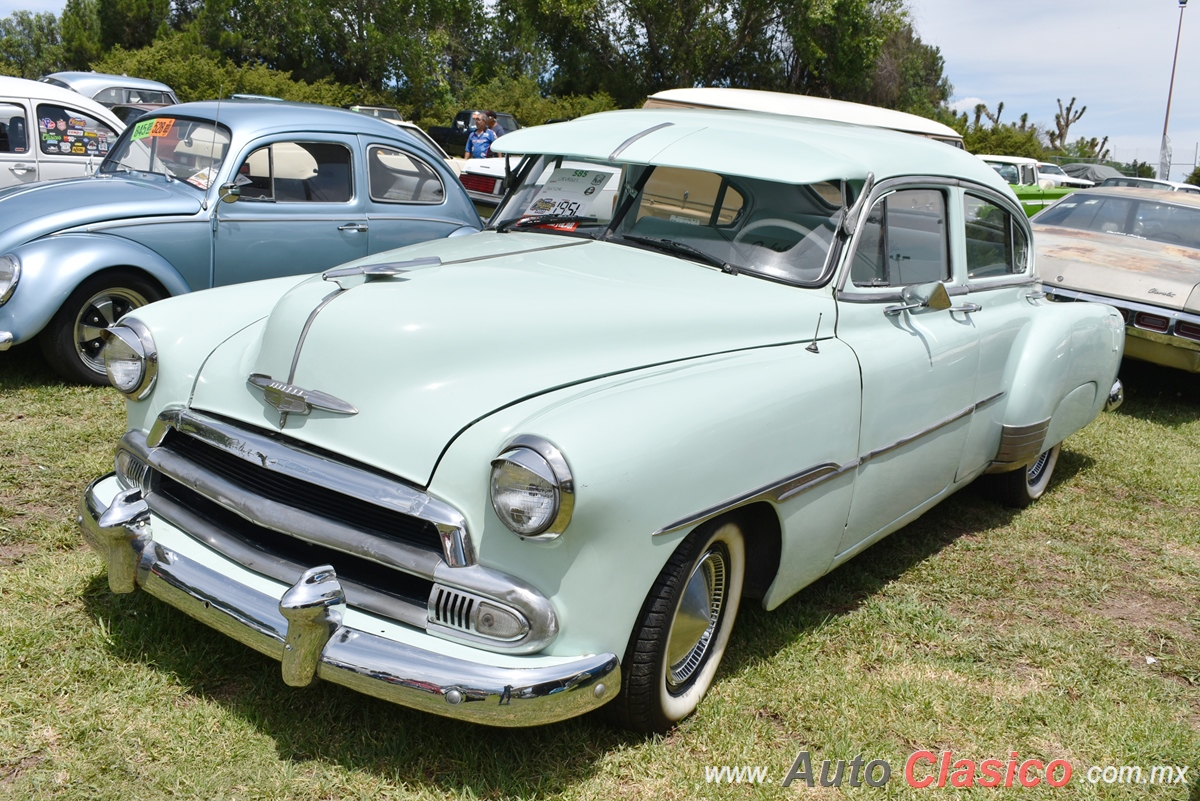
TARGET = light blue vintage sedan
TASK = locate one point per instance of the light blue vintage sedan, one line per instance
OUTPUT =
(315, 186)
(515, 476)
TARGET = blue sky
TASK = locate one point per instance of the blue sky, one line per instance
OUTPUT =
(1113, 55)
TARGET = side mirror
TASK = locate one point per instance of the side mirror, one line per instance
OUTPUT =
(922, 296)
(229, 193)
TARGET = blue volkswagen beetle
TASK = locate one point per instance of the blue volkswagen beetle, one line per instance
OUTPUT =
(314, 187)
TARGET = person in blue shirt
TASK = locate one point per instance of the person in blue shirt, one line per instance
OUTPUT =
(479, 143)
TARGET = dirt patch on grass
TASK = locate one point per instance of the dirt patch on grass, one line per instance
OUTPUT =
(1148, 615)
(12, 554)
(13, 772)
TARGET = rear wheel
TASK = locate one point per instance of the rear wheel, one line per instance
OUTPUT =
(1020, 488)
(72, 341)
(682, 630)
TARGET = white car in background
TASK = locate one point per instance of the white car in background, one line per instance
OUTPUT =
(48, 132)
(1055, 175)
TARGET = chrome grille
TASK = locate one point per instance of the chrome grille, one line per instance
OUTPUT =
(452, 608)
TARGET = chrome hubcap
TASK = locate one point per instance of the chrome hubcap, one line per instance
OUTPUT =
(1036, 469)
(696, 619)
(101, 310)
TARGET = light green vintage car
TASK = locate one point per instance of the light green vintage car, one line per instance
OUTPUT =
(522, 474)
(1034, 191)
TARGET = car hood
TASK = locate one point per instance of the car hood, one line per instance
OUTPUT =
(1118, 266)
(33, 210)
(503, 318)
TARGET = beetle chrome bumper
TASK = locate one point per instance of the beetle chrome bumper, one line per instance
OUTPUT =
(6, 340)
(304, 630)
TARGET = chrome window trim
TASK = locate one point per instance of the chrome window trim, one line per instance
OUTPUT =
(272, 454)
(621, 147)
(890, 185)
(1001, 282)
(797, 483)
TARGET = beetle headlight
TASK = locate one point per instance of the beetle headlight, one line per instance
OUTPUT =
(10, 273)
(130, 358)
(532, 489)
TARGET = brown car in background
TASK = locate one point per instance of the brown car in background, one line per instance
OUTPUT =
(1137, 250)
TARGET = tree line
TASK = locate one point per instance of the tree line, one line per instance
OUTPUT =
(538, 59)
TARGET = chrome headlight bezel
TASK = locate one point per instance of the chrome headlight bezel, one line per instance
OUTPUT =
(540, 457)
(9, 284)
(133, 335)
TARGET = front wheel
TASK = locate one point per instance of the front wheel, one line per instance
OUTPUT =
(682, 630)
(1020, 488)
(72, 341)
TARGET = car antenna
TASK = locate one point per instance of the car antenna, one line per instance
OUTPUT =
(812, 346)
(213, 149)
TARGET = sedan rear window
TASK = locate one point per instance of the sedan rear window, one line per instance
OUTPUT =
(1160, 222)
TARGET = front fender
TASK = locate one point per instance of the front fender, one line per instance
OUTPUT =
(52, 267)
(651, 449)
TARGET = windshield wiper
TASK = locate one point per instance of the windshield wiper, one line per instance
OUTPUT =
(682, 249)
(543, 219)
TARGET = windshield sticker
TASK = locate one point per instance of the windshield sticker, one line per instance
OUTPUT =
(160, 127)
(568, 192)
(75, 122)
(201, 179)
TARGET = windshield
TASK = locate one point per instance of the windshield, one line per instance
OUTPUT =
(187, 150)
(1050, 169)
(776, 230)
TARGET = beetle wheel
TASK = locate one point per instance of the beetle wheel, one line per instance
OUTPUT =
(682, 630)
(1022, 487)
(72, 341)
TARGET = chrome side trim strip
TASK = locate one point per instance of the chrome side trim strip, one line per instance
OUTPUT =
(945, 421)
(621, 147)
(777, 491)
(393, 671)
(805, 480)
(272, 454)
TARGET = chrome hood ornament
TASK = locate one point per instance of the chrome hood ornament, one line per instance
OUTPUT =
(291, 399)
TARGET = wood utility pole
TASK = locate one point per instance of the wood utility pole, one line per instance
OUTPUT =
(1164, 153)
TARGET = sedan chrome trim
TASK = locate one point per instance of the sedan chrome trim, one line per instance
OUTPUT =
(621, 147)
(777, 492)
(273, 454)
(310, 610)
(805, 480)
(1116, 396)
(291, 399)
(1019, 445)
(945, 421)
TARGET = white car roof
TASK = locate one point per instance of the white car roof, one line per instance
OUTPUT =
(1009, 159)
(36, 90)
(818, 108)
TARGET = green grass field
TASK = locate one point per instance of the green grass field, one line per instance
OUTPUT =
(1070, 630)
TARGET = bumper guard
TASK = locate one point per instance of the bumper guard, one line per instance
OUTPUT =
(304, 630)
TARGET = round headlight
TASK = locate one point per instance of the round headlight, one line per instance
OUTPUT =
(532, 490)
(10, 273)
(130, 358)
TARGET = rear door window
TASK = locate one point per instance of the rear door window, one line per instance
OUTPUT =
(64, 131)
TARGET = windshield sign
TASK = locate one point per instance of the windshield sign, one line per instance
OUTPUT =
(739, 224)
(186, 150)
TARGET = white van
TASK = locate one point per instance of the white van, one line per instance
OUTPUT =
(47, 132)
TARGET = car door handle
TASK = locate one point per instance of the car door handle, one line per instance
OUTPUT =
(353, 227)
(966, 308)
(20, 169)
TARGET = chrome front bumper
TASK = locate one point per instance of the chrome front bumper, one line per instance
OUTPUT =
(303, 629)
(6, 340)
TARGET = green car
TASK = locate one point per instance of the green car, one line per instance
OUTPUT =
(517, 475)
(1022, 175)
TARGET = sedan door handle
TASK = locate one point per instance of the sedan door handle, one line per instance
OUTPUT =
(353, 227)
(966, 308)
(20, 169)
